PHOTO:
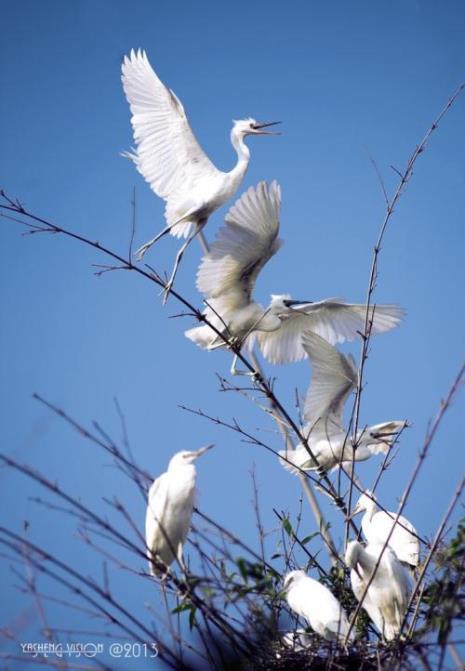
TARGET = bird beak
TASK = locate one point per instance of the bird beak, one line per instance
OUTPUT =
(203, 450)
(291, 303)
(264, 124)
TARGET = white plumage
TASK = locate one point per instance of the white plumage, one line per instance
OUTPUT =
(169, 157)
(331, 318)
(169, 509)
(313, 601)
(386, 600)
(227, 276)
(333, 378)
(377, 524)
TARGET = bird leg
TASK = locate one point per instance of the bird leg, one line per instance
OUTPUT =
(235, 371)
(142, 250)
(181, 559)
(179, 255)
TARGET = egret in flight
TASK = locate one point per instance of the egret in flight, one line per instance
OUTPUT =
(227, 276)
(377, 525)
(170, 159)
(386, 600)
(315, 603)
(334, 375)
(169, 510)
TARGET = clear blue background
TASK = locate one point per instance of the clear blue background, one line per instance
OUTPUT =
(349, 81)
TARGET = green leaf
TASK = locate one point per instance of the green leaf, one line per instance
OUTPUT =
(287, 526)
(192, 617)
(186, 605)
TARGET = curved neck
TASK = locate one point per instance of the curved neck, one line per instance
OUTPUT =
(365, 560)
(371, 509)
(243, 156)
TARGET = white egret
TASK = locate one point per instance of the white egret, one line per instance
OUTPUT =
(169, 509)
(227, 276)
(334, 375)
(331, 318)
(228, 273)
(377, 525)
(386, 600)
(170, 159)
(314, 602)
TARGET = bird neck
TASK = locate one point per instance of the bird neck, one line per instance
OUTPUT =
(370, 510)
(243, 157)
(183, 471)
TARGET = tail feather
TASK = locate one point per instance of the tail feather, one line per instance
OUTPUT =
(288, 461)
(203, 336)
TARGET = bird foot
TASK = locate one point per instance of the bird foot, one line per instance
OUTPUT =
(140, 253)
(166, 292)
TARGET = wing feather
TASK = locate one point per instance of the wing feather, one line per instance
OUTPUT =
(244, 245)
(332, 319)
(167, 153)
(333, 378)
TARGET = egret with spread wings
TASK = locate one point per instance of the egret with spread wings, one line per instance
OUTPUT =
(334, 376)
(227, 274)
(227, 277)
(171, 160)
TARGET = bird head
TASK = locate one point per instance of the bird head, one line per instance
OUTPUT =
(245, 127)
(278, 302)
(285, 303)
(292, 578)
(186, 457)
(365, 502)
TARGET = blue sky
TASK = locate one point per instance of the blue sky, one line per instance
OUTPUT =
(349, 81)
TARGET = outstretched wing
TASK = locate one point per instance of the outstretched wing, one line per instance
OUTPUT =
(243, 246)
(333, 377)
(167, 152)
(332, 319)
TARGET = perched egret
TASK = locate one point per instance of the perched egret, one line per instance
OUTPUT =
(227, 276)
(314, 602)
(386, 600)
(377, 524)
(333, 378)
(170, 159)
(169, 509)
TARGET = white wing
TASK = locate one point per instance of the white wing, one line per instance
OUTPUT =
(358, 588)
(332, 319)
(405, 544)
(333, 377)
(243, 246)
(156, 506)
(168, 156)
(322, 610)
